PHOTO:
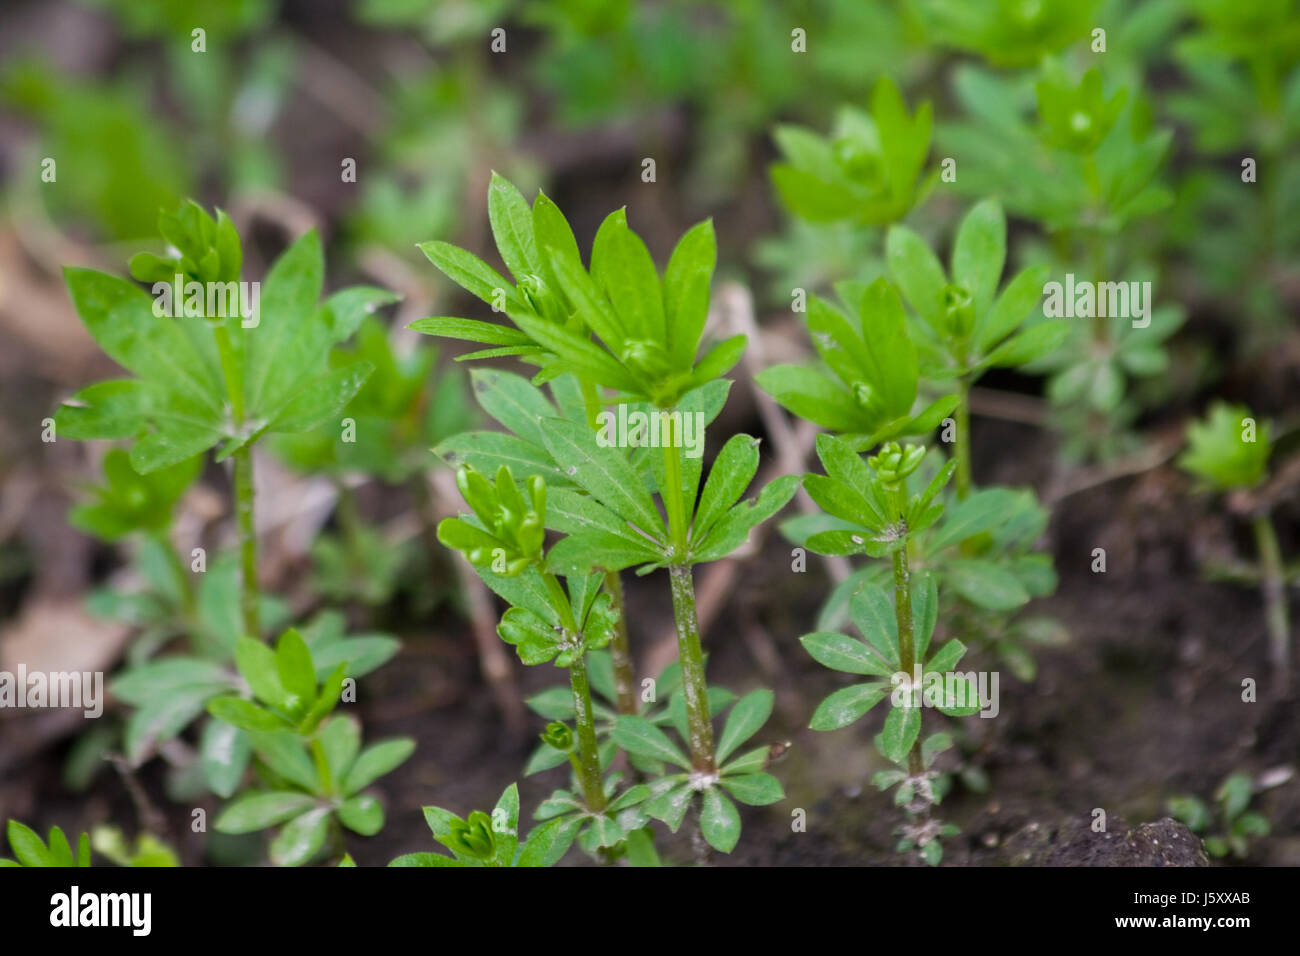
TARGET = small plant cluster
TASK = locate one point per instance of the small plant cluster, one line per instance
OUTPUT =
(610, 332)
(220, 382)
(1228, 825)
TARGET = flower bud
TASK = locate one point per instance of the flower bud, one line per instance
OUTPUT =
(558, 735)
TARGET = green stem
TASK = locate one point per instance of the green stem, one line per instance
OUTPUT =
(248, 598)
(906, 642)
(1274, 588)
(694, 684)
(589, 775)
(963, 438)
(593, 791)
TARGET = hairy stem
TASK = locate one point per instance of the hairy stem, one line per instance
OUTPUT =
(1274, 588)
(593, 792)
(248, 597)
(694, 684)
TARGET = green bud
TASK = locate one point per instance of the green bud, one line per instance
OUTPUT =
(894, 462)
(473, 837)
(558, 735)
(959, 311)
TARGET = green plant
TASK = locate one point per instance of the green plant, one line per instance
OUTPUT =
(147, 849)
(963, 326)
(1235, 824)
(223, 379)
(31, 850)
(867, 171)
(1229, 451)
(503, 539)
(492, 839)
(647, 339)
(315, 768)
(873, 497)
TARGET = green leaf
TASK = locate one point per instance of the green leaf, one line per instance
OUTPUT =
(754, 789)
(377, 760)
(297, 674)
(719, 821)
(811, 395)
(512, 227)
(873, 613)
(686, 291)
(547, 843)
(292, 336)
(918, 273)
(986, 585)
(842, 653)
(223, 755)
(362, 814)
(470, 330)
(744, 720)
(980, 251)
(473, 275)
(638, 736)
(302, 838)
(602, 472)
(622, 267)
(27, 846)
(257, 811)
(732, 471)
(733, 530)
(244, 714)
(257, 664)
(901, 729)
(847, 704)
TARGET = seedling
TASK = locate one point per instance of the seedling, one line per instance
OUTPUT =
(492, 839)
(503, 540)
(867, 171)
(649, 333)
(315, 794)
(1229, 821)
(872, 497)
(215, 379)
(1229, 452)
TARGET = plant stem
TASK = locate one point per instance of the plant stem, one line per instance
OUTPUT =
(694, 684)
(906, 643)
(1274, 588)
(963, 438)
(248, 598)
(691, 656)
(589, 775)
(593, 792)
